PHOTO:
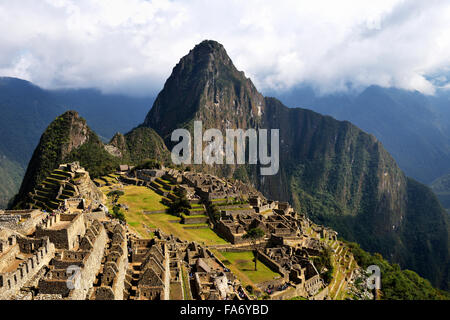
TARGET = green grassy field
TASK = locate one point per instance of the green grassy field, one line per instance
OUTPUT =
(243, 261)
(140, 199)
(163, 222)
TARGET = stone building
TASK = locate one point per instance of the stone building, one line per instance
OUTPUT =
(20, 260)
(22, 221)
(68, 181)
(149, 175)
(209, 187)
(72, 272)
(64, 230)
(149, 275)
(111, 284)
(294, 265)
(232, 226)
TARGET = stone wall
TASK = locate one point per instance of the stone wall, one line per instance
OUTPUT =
(114, 270)
(272, 264)
(91, 265)
(225, 232)
(9, 250)
(56, 281)
(22, 221)
(68, 236)
(194, 220)
(11, 282)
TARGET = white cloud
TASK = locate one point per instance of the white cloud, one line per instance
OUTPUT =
(132, 45)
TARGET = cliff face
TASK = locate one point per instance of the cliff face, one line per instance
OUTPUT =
(334, 161)
(329, 169)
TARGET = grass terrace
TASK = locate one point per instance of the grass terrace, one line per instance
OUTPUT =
(241, 263)
(140, 199)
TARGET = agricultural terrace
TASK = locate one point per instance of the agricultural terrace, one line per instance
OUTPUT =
(142, 199)
(243, 266)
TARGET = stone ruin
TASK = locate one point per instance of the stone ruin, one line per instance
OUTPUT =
(69, 253)
(21, 258)
(295, 266)
(233, 224)
(67, 182)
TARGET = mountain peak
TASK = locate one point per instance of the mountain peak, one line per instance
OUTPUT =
(205, 85)
(210, 45)
(66, 133)
(209, 48)
(71, 114)
(208, 55)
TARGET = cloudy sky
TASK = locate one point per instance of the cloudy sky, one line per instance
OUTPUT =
(132, 45)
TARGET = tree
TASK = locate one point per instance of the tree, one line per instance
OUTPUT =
(180, 204)
(254, 234)
(118, 214)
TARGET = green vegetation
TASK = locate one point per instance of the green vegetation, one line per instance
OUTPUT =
(49, 153)
(179, 205)
(148, 164)
(56, 147)
(142, 144)
(244, 262)
(94, 158)
(254, 234)
(118, 214)
(397, 284)
(115, 194)
(11, 173)
(324, 261)
(441, 188)
(140, 199)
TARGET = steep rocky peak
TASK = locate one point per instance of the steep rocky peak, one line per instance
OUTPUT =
(205, 85)
(209, 55)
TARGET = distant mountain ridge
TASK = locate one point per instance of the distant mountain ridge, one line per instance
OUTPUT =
(26, 110)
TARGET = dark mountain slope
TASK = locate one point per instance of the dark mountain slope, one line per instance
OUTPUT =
(205, 85)
(413, 127)
(441, 187)
(140, 144)
(329, 169)
(26, 110)
(68, 138)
